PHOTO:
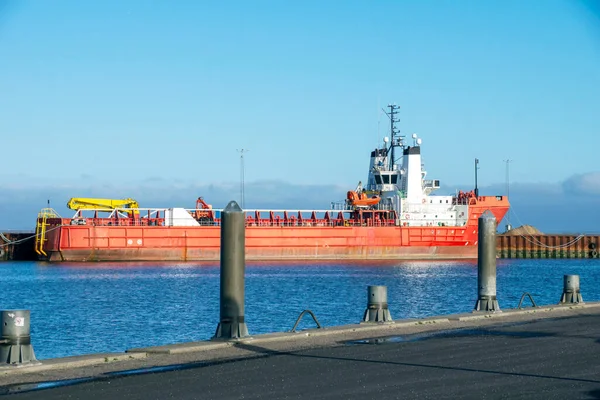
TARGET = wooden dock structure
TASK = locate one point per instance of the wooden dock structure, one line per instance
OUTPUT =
(17, 246)
(547, 246)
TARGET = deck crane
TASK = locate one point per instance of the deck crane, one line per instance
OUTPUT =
(83, 203)
(203, 212)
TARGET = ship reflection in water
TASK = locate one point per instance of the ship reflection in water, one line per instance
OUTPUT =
(96, 307)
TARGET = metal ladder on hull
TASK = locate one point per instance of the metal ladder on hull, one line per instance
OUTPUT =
(40, 229)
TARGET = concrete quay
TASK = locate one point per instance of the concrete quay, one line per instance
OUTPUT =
(543, 352)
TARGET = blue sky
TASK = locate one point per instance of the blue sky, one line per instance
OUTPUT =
(152, 99)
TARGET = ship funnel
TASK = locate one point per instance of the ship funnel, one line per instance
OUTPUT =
(413, 182)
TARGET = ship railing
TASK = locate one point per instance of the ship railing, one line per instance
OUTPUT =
(460, 202)
(469, 201)
(489, 198)
(434, 223)
(138, 222)
(319, 223)
(118, 221)
(474, 200)
(339, 206)
(275, 218)
(344, 206)
(427, 208)
(139, 217)
(250, 222)
(319, 217)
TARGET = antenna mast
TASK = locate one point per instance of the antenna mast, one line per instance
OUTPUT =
(476, 168)
(508, 161)
(242, 200)
(394, 132)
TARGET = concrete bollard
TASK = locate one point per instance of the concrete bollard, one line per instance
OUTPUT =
(15, 339)
(486, 264)
(571, 290)
(377, 305)
(232, 323)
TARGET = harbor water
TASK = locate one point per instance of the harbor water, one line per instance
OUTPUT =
(98, 307)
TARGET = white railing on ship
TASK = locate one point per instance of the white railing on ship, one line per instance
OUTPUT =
(144, 212)
(182, 223)
(290, 222)
(343, 206)
(254, 217)
(433, 223)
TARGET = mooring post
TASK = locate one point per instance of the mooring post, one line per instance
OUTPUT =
(377, 305)
(571, 290)
(232, 323)
(486, 264)
(15, 341)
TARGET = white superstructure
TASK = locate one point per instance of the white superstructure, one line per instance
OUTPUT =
(403, 187)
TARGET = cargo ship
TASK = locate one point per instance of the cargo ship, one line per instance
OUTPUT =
(393, 216)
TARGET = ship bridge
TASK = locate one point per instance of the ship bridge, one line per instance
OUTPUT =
(383, 177)
(386, 178)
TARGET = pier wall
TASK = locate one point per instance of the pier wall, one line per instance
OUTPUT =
(547, 246)
(23, 250)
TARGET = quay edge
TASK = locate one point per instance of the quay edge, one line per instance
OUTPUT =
(96, 365)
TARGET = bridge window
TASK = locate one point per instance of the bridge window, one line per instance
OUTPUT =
(386, 178)
(378, 179)
(394, 179)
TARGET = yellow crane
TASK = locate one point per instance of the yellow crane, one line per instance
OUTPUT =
(83, 203)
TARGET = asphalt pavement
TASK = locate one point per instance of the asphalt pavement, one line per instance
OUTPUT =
(549, 358)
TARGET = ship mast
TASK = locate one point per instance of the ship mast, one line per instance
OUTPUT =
(395, 138)
(242, 177)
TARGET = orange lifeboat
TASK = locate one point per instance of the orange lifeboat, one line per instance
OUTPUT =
(361, 200)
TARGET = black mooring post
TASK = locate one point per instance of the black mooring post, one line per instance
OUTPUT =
(232, 324)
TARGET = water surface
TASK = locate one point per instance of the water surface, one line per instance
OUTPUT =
(96, 307)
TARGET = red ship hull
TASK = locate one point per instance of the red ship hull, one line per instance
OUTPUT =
(270, 240)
